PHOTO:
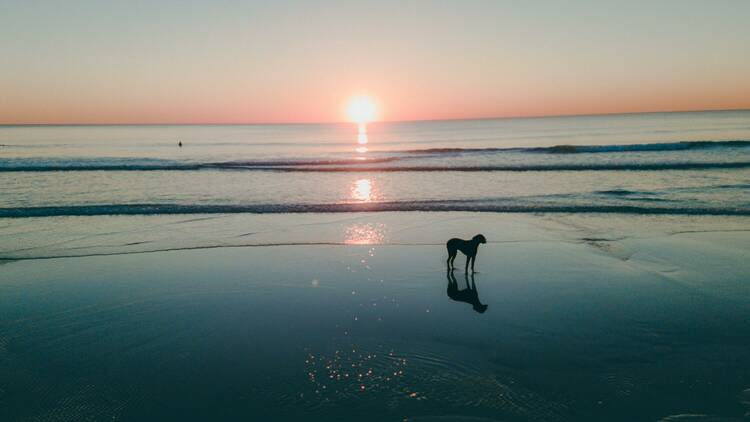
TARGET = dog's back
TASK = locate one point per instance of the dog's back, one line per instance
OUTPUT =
(454, 244)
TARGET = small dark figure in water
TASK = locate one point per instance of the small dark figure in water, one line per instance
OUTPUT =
(179, 144)
(468, 247)
(468, 295)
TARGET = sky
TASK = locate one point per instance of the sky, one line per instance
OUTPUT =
(226, 61)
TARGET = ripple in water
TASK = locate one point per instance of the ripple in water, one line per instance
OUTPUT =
(416, 382)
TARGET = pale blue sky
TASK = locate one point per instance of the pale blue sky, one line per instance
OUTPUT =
(252, 61)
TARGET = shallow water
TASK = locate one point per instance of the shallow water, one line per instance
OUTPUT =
(580, 324)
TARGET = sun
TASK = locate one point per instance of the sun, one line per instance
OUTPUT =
(361, 110)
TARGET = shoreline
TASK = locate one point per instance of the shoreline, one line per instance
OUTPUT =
(27, 238)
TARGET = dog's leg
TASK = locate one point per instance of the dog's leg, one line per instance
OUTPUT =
(451, 257)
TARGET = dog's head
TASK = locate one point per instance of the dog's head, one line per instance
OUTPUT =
(480, 238)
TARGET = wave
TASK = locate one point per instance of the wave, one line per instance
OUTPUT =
(296, 163)
(522, 167)
(395, 158)
(622, 192)
(100, 167)
(329, 167)
(594, 149)
(656, 147)
(404, 206)
(20, 165)
(437, 151)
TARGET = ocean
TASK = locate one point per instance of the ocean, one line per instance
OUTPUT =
(667, 163)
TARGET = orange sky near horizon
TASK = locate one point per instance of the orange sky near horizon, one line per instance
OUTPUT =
(301, 62)
(401, 106)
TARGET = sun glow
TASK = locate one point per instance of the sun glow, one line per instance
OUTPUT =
(362, 190)
(361, 110)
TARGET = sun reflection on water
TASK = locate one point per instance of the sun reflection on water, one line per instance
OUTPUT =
(362, 138)
(362, 190)
(349, 372)
(365, 234)
(362, 134)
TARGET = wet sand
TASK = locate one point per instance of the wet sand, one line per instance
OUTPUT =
(349, 318)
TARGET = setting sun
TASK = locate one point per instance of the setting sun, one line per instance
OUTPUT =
(361, 110)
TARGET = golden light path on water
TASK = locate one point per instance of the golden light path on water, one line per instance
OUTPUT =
(365, 234)
(363, 189)
(362, 134)
(362, 138)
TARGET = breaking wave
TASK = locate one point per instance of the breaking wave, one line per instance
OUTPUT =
(394, 160)
(424, 206)
(593, 149)
(347, 166)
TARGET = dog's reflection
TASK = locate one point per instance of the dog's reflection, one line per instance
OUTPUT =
(468, 295)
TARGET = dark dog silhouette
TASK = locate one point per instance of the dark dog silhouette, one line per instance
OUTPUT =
(468, 247)
(468, 295)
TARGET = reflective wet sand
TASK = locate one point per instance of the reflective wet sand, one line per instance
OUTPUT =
(582, 323)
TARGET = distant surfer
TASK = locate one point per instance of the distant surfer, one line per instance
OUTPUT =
(179, 144)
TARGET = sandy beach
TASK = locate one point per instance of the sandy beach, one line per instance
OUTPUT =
(347, 317)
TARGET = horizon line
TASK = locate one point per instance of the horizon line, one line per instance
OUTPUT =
(337, 122)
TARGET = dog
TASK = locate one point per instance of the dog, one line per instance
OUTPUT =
(468, 247)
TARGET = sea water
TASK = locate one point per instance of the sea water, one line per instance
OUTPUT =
(674, 163)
